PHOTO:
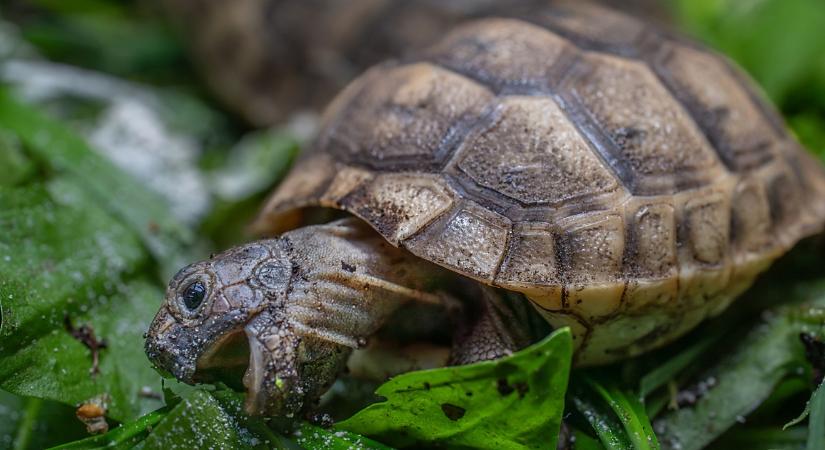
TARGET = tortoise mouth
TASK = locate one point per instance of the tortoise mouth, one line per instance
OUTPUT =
(236, 360)
(225, 361)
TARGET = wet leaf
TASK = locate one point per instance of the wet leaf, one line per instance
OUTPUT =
(816, 420)
(665, 372)
(763, 438)
(310, 436)
(514, 402)
(124, 436)
(604, 423)
(748, 373)
(33, 423)
(17, 167)
(200, 421)
(62, 151)
(629, 410)
(71, 259)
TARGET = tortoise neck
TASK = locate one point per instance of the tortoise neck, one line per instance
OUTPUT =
(349, 280)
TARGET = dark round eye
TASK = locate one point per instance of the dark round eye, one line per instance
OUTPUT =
(193, 295)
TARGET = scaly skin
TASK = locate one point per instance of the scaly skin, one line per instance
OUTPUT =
(304, 301)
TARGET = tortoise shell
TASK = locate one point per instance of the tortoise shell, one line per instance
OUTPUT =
(627, 182)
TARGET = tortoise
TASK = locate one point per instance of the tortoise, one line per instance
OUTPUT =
(266, 59)
(624, 182)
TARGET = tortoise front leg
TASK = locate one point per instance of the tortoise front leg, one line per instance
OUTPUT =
(497, 325)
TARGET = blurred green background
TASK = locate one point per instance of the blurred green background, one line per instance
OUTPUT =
(117, 167)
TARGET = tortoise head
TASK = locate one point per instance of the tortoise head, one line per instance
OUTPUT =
(217, 321)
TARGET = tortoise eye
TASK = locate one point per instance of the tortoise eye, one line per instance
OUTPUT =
(193, 295)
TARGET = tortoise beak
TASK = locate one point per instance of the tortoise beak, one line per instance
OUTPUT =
(168, 360)
(170, 349)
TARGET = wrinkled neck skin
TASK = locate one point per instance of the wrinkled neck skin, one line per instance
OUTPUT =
(346, 281)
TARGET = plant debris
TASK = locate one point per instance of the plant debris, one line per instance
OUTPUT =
(86, 335)
(93, 414)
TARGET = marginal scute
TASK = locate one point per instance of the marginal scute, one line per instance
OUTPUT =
(530, 266)
(784, 197)
(751, 220)
(502, 52)
(650, 133)
(472, 242)
(643, 295)
(346, 180)
(533, 154)
(305, 182)
(707, 221)
(399, 205)
(592, 249)
(406, 115)
(653, 242)
(732, 121)
(591, 261)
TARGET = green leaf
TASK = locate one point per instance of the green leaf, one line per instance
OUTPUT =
(215, 419)
(631, 413)
(763, 438)
(64, 152)
(71, 259)
(17, 167)
(201, 421)
(750, 369)
(121, 437)
(91, 33)
(583, 441)
(256, 427)
(514, 402)
(310, 436)
(665, 372)
(33, 423)
(816, 422)
(606, 425)
(805, 412)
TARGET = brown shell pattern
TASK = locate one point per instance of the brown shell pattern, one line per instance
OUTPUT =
(628, 182)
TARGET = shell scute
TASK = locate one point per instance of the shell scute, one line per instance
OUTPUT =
(651, 137)
(531, 258)
(401, 204)
(508, 55)
(652, 247)
(406, 115)
(473, 241)
(734, 124)
(534, 155)
(706, 221)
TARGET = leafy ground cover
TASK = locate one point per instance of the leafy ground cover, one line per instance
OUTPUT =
(87, 243)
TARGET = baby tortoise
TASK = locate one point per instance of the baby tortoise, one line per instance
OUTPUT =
(628, 183)
(266, 59)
